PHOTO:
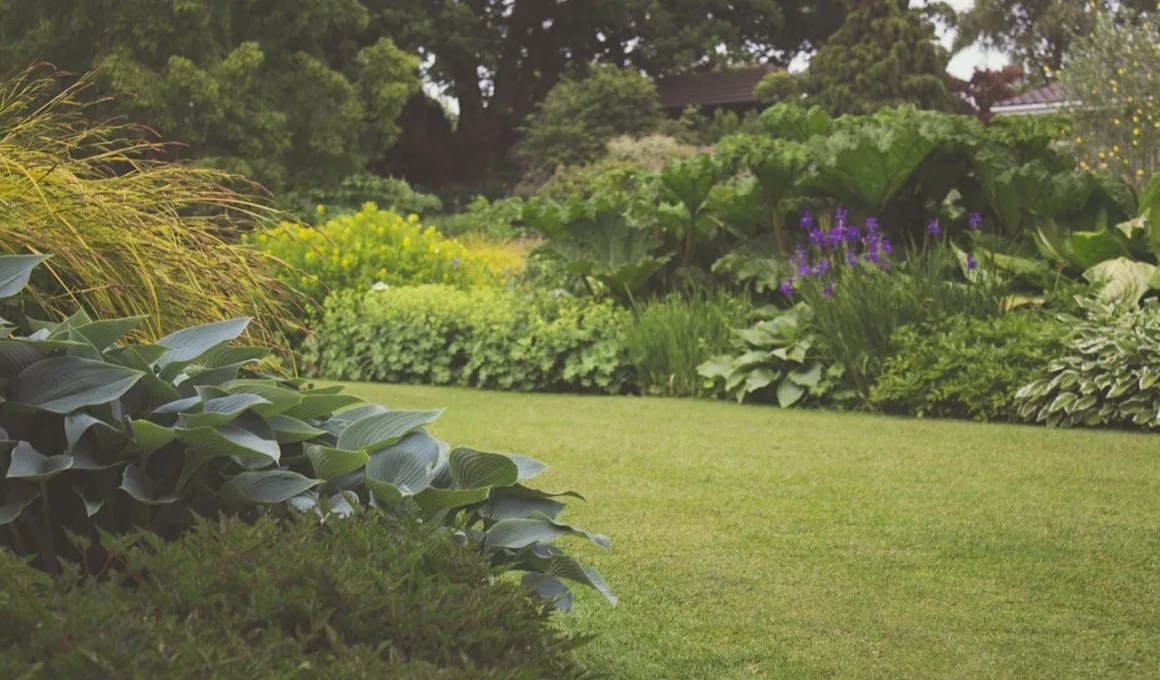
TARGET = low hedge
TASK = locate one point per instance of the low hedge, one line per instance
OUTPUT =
(487, 338)
(371, 596)
(963, 367)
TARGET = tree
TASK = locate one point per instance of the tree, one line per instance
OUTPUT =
(1036, 33)
(986, 88)
(500, 58)
(579, 117)
(884, 54)
(292, 93)
(1111, 75)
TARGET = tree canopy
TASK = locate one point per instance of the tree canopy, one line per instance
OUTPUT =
(294, 93)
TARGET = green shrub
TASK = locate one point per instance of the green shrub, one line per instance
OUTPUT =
(674, 335)
(372, 597)
(480, 338)
(99, 438)
(1108, 374)
(357, 190)
(368, 247)
(495, 219)
(777, 358)
(963, 367)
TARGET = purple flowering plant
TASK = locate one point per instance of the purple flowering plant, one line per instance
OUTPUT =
(830, 252)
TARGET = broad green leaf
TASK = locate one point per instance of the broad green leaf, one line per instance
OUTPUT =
(265, 487)
(224, 355)
(788, 393)
(17, 496)
(565, 567)
(189, 344)
(528, 467)
(384, 429)
(65, 384)
(471, 469)
(759, 378)
(279, 399)
(17, 355)
(404, 469)
(319, 405)
(808, 377)
(549, 588)
(222, 410)
(104, 333)
(719, 367)
(150, 436)
(137, 484)
(289, 430)
(329, 463)
(78, 423)
(521, 532)
(15, 271)
(432, 501)
(1122, 280)
(502, 506)
(248, 436)
(28, 463)
(1093, 247)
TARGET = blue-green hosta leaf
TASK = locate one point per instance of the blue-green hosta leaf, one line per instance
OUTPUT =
(520, 532)
(265, 487)
(402, 470)
(529, 468)
(384, 429)
(521, 491)
(501, 506)
(140, 357)
(718, 367)
(28, 463)
(565, 567)
(150, 436)
(137, 484)
(189, 344)
(289, 430)
(788, 393)
(92, 506)
(17, 495)
(224, 355)
(808, 377)
(246, 437)
(319, 405)
(433, 501)
(222, 410)
(549, 588)
(357, 413)
(471, 469)
(329, 463)
(15, 271)
(65, 384)
(279, 398)
(186, 405)
(759, 378)
(104, 333)
(77, 424)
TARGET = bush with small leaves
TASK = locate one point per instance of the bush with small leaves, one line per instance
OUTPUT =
(374, 596)
(1108, 375)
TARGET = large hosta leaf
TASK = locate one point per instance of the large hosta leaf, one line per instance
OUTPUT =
(265, 487)
(279, 399)
(28, 463)
(151, 436)
(15, 271)
(433, 501)
(188, 344)
(222, 410)
(65, 384)
(502, 506)
(16, 496)
(520, 532)
(329, 463)
(247, 437)
(471, 469)
(402, 470)
(384, 429)
(104, 333)
(289, 430)
(562, 566)
(1122, 280)
(319, 405)
(137, 484)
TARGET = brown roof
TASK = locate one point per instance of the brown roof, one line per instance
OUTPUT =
(716, 88)
(1052, 94)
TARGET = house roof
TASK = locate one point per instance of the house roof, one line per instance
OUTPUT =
(1042, 100)
(716, 88)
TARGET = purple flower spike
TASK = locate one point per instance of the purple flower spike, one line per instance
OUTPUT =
(871, 225)
(971, 264)
(828, 289)
(835, 236)
(817, 238)
(975, 222)
(887, 249)
(853, 234)
(803, 269)
(822, 267)
(840, 218)
(787, 287)
(455, 262)
(933, 228)
(851, 258)
(807, 220)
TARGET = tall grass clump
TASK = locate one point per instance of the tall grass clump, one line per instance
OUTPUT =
(673, 335)
(130, 234)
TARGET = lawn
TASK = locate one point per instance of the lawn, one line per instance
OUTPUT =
(755, 542)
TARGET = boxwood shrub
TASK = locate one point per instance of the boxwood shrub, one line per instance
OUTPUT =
(380, 597)
(487, 338)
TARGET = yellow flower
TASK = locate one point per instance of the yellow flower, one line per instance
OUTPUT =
(1136, 131)
(1079, 140)
(406, 241)
(412, 218)
(1140, 172)
(1115, 148)
(1115, 121)
(1102, 155)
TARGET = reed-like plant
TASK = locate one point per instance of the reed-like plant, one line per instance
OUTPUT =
(131, 234)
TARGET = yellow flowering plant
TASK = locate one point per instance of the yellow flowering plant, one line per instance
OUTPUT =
(372, 247)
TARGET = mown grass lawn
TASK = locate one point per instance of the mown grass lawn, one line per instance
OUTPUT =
(754, 542)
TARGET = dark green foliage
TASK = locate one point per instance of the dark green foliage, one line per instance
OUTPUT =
(501, 219)
(674, 335)
(371, 597)
(885, 54)
(963, 367)
(353, 192)
(1107, 375)
(578, 118)
(777, 359)
(99, 437)
(480, 338)
(292, 94)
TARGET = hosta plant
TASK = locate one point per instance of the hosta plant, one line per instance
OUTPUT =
(1109, 375)
(104, 436)
(777, 354)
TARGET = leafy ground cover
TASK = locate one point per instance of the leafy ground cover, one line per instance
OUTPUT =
(755, 542)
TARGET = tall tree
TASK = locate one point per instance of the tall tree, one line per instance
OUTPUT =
(1036, 33)
(499, 58)
(289, 92)
(885, 53)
